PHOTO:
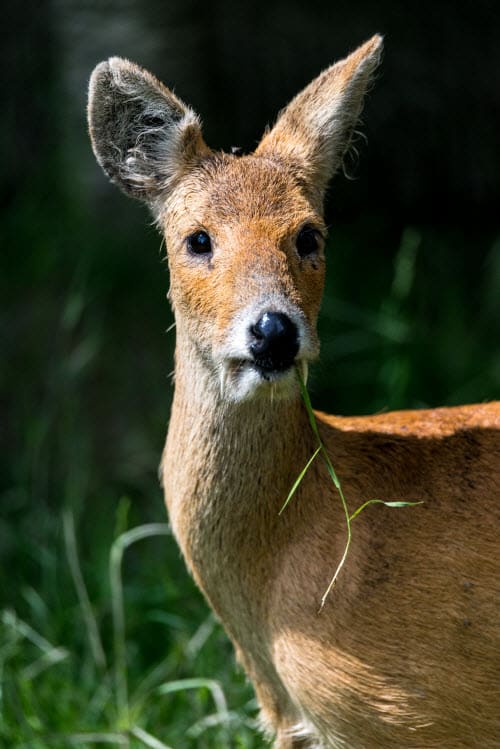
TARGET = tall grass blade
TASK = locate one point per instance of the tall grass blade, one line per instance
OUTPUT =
(118, 612)
(147, 739)
(10, 619)
(200, 637)
(157, 674)
(213, 687)
(212, 721)
(97, 738)
(56, 655)
(81, 590)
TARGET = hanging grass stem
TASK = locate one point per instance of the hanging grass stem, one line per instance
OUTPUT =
(331, 470)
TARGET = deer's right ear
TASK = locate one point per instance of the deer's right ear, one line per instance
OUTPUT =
(143, 136)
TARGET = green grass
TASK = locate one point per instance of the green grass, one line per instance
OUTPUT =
(129, 666)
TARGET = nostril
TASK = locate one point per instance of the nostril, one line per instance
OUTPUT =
(274, 341)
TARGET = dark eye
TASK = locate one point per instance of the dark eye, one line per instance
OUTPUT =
(199, 243)
(307, 241)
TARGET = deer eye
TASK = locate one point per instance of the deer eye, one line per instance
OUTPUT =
(199, 243)
(307, 241)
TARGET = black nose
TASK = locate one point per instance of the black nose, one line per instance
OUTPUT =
(274, 342)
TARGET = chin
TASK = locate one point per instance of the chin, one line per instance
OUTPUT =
(243, 381)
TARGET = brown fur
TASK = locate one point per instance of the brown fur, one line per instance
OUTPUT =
(406, 652)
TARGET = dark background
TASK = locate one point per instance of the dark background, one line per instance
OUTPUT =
(412, 308)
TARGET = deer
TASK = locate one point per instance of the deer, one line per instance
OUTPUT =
(405, 652)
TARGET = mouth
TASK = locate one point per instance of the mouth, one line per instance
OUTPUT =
(242, 378)
(273, 374)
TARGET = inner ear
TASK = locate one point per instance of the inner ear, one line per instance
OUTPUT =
(144, 137)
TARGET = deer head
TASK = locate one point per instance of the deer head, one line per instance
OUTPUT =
(244, 234)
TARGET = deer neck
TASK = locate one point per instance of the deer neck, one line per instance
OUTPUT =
(227, 469)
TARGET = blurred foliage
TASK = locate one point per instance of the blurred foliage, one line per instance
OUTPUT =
(411, 315)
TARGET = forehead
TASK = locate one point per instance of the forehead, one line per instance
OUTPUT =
(234, 190)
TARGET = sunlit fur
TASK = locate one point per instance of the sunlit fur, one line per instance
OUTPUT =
(405, 653)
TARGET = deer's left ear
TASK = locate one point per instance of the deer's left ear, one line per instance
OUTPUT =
(314, 130)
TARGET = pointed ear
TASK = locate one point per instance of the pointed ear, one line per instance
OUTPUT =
(143, 136)
(314, 130)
